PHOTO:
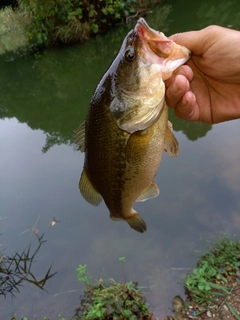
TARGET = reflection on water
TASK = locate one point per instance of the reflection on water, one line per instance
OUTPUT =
(225, 14)
(16, 269)
(41, 103)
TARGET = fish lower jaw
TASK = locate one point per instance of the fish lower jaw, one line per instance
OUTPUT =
(172, 65)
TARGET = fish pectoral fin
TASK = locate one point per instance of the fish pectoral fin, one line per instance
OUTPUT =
(79, 137)
(170, 126)
(151, 191)
(136, 222)
(136, 147)
(88, 191)
(170, 142)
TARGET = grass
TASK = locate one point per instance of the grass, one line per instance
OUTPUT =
(213, 269)
(215, 282)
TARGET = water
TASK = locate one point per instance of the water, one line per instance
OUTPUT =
(41, 102)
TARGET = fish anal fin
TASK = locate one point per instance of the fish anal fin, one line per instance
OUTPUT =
(79, 137)
(151, 191)
(88, 191)
(170, 142)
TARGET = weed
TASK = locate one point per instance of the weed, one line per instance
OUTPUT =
(208, 281)
(17, 269)
(81, 274)
(105, 300)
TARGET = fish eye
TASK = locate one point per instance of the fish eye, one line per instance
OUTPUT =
(129, 54)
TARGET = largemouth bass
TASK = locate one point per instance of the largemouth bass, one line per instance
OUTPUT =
(126, 129)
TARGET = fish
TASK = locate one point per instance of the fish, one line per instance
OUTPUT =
(126, 129)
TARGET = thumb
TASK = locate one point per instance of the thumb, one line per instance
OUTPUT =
(193, 40)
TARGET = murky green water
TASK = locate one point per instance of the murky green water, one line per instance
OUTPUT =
(41, 102)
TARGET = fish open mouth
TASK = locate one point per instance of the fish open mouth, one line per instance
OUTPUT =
(157, 48)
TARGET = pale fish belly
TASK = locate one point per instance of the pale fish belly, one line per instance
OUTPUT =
(143, 156)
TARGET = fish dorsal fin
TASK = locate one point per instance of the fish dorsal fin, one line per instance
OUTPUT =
(170, 142)
(88, 191)
(79, 137)
(151, 191)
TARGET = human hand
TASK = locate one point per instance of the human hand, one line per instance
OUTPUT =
(207, 87)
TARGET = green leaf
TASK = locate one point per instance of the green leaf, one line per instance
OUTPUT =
(201, 286)
(217, 294)
(127, 313)
(233, 311)
(217, 286)
(207, 287)
(94, 28)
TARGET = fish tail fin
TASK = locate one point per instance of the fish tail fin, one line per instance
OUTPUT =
(136, 222)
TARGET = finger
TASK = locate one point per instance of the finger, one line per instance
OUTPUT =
(199, 41)
(187, 108)
(177, 85)
(184, 70)
(188, 39)
(176, 91)
(193, 40)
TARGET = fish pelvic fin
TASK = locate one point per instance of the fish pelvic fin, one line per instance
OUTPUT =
(79, 137)
(134, 220)
(170, 142)
(88, 191)
(151, 191)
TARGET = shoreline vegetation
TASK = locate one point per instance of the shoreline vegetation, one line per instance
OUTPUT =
(212, 290)
(36, 24)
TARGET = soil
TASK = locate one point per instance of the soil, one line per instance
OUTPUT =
(223, 309)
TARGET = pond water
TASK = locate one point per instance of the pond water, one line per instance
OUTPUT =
(41, 102)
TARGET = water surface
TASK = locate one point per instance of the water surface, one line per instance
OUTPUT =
(41, 102)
